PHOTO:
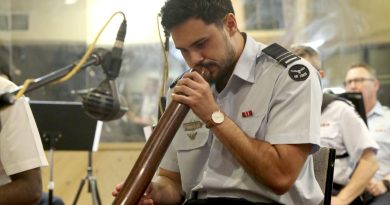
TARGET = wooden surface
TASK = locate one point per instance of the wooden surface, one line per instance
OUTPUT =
(111, 165)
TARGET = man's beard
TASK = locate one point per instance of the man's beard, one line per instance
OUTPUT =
(225, 68)
(228, 65)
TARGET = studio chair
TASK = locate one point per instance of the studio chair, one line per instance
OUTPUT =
(323, 170)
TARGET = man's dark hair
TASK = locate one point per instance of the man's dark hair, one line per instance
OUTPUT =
(175, 12)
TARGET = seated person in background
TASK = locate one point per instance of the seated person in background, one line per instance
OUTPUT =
(147, 112)
(253, 125)
(362, 78)
(344, 130)
(21, 152)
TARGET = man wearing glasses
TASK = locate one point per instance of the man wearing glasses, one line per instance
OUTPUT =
(362, 78)
(343, 129)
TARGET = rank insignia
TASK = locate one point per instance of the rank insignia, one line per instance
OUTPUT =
(191, 126)
(247, 113)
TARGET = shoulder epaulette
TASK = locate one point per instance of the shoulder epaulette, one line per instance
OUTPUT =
(279, 53)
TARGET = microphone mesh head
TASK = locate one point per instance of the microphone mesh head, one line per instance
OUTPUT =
(102, 103)
(98, 104)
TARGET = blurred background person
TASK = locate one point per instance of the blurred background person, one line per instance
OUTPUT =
(143, 109)
(344, 130)
(146, 112)
(362, 78)
(21, 151)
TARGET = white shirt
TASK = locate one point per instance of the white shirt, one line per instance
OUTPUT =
(344, 130)
(291, 117)
(20, 144)
(378, 120)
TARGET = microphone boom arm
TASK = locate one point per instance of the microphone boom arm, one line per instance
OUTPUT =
(95, 59)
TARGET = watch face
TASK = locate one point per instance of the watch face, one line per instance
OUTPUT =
(217, 117)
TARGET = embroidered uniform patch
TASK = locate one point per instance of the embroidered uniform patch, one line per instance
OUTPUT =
(191, 126)
(299, 72)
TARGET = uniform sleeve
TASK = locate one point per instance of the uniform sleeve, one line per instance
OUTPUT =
(169, 161)
(21, 147)
(294, 115)
(355, 133)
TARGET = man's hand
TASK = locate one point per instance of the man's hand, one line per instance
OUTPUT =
(194, 91)
(146, 199)
(376, 187)
(117, 189)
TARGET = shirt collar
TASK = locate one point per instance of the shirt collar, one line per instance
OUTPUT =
(245, 67)
(377, 110)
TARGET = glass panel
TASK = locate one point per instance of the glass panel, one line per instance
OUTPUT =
(53, 34)
(263, 14)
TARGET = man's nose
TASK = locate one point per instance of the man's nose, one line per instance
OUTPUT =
(194, 59)
(352, 86)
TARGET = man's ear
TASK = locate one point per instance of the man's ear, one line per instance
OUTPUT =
(377, 85)
(230, 23)
(322, 73)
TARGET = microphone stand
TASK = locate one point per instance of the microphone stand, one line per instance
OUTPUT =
(52, 138)
(46, 79)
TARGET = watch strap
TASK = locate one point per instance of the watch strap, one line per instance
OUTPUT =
(386, 182)
(210, 123)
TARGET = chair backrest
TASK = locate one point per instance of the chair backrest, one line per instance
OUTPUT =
(323, 170)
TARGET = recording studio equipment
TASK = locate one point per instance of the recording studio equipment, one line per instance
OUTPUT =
(81, 92)
(104, 103)
(57, 135)
(8, 98)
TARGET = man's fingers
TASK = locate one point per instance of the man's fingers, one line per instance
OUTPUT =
(117, 189)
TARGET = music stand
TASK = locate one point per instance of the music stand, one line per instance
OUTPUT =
(65, 126)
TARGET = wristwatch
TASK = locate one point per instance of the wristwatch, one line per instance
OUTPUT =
(216, 118)
(387, 184)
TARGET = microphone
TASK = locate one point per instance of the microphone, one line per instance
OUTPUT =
(104, 103)
(81, 92)
(8, 98)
